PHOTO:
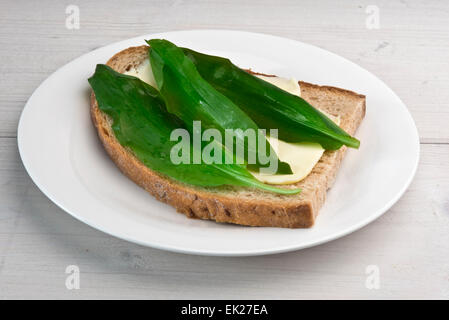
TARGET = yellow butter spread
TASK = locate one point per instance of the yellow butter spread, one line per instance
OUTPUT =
(302, 156)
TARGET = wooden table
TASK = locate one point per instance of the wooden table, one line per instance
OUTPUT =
(409, 244)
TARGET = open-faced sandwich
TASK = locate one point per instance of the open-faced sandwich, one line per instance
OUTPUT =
(219, 142)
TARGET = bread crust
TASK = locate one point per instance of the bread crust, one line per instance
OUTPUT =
(236, 205)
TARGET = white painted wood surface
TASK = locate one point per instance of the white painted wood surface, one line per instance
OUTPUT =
(409, 244)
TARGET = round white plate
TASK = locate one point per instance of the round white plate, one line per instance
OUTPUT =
(61, 152)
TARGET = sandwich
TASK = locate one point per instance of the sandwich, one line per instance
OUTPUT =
(288, 137)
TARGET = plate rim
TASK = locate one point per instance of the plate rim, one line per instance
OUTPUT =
(202, 252)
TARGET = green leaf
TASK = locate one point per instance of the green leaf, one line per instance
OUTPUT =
(188, 96)
(270, 106)
(142, 124)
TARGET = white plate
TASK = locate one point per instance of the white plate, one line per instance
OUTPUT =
(61, 152)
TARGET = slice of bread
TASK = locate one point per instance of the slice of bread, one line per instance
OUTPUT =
(245, 206)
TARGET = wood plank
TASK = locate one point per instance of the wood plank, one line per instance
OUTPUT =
(409, 51)
(409, 244)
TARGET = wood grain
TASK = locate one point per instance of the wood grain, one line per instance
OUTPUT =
(409, 51)
(409, 244)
